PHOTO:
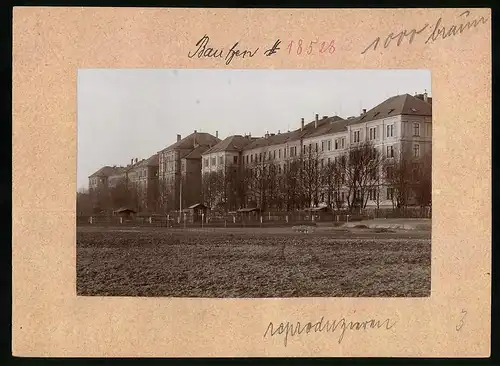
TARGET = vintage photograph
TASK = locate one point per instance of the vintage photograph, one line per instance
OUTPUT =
(254, 183)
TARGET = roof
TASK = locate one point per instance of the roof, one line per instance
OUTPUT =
(107, 170)
(151, 161)
(394, 106)
(231, 143)
(197, 205)
(125, 209)
(195, 153)
(325, 125)
(196, 138)
(248, 209)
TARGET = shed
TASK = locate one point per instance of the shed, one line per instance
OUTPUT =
(125, 212)
(248, 212)
(197, 212)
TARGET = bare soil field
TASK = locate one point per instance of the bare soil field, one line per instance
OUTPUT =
(252, 263)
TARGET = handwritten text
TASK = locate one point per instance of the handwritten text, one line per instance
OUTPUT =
(206, 50)
(434, 32)
(289, 329)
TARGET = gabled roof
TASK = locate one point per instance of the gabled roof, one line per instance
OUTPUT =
(151, 161)
(325, 125)
(400, 104)
(195, 154)
(196, 138)
(231, 143)
(107, 170)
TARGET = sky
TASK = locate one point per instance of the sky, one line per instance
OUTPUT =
(134, 113)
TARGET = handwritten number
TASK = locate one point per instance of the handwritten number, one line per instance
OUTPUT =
(331, 47)
(290, 47)
(322, 49)
(462, 320)
(310, 48)
(299, 47)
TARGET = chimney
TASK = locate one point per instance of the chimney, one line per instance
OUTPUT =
(302, 124)
(217, 134)
(364, 111)
(136, 160)
(178, 137)
(279, 132)
(316, 121)
(425, 95)
(131, 161)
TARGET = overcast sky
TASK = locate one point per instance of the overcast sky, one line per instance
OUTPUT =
(133, 113)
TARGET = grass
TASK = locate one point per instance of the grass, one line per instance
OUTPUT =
(221, 264)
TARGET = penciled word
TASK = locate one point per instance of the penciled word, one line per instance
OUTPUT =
(314, 47)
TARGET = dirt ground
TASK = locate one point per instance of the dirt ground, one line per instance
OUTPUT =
(252, 263)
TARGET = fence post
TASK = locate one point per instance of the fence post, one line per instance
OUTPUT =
(202, 219)
(347, 218)
(287, 219)
(150, 220)
(225, 223)
(184, 220)
(121, 220)
(90, 220)
(261, 221)
(234, 219)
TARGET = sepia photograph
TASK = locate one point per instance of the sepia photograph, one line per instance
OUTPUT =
(220, 183)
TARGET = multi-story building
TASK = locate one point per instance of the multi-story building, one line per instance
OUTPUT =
(180, 168)
(399, 127)
(143, 177)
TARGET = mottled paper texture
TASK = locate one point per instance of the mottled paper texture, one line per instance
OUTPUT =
(51, 44)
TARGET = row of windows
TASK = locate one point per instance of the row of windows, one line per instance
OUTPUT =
(213, 160)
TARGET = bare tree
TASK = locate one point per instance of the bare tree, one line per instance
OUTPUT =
(362, 171)
(333, 179)
(422, 176)
(209, 189)
(398, 175)
(311, 175)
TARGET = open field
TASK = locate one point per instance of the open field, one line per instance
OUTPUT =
(252, 262)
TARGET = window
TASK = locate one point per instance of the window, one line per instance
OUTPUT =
(251, 158)
(336, 144)
(279, 169)
(342, 145)
(416, 129)
(235, 159)
(291, 151)
(304, 149)
(274, 154)
(328, 161)
(221, 160)
(310, 147)
(316, 146)
(206, 162)
(284, 152)
(323, 145)
(329, 145)
(372, 194)
(322, 199)
(373, 131)
(390, 130)
(213, 161)
(390, 151)
(260, 157)
(322, 163)
(356, 136)
(416, 150)
(247, 159)
(415, 171)
(390, 193)
(279, 154)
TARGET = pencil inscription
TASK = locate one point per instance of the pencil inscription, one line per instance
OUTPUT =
(437, 32)
(290, 329)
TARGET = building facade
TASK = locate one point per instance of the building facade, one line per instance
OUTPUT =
(287, 171)
(179, 170)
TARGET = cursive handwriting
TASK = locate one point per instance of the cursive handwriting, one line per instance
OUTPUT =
(205, 50)
(289, 329)
(235, 52)
(436, 31)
